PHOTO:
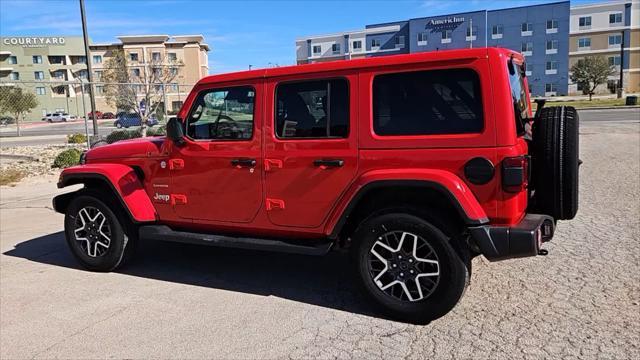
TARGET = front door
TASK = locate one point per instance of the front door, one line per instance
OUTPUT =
(215, 175)
(311, 150)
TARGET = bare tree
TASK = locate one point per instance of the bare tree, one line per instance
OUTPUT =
(140, 91)
(591, 72)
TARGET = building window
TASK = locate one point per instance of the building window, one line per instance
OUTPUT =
(60, 90)
(551, 68)
(40, 90)
(614, 60)
(427, 103)
(615, 19)
(210, 113)
(615, 40)
(552, 47)
(172, 57)
(176, 105)
(82, 74)
(400, 42)
(99, 89)
(584, 22)
(135, 73)
(526, 29)
(584, 43)
(613, 85)
(550, 89)
(496, 31)
(81, 60)
(155, 56)
(446, 36)
(57, 60)
(580, 86)
(552, 26)
(375, 44)
(472, 33)
(97, 59)
(422, 38)
(357, 45)
(15, 76)
(98, 75)
(13, 60)
(335, 49)
(133, 56)
(38, 75)
(312, 109)
(37, 59)
(59, 75)
(317, 49)
(174, 88)
(173, 71)
(527, 48)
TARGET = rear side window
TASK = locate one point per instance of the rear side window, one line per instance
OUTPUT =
(312, 109)
(427, 103)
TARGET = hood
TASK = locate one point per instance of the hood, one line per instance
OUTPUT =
(135, 148)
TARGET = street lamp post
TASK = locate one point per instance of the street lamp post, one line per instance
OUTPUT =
(90, 75)
(620, 86)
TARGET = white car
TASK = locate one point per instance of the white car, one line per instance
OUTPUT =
(56, 117)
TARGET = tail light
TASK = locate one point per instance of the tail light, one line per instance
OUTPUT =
(515, 173)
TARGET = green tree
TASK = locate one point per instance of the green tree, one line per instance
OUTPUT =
(591, 72)
(142, 91)
(16, 102)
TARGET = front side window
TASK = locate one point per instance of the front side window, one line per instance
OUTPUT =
(222, 114)
(312, 109)
(427, 103)
(615, 18)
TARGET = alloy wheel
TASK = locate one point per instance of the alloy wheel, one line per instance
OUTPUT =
(404, 266)
(92, 231)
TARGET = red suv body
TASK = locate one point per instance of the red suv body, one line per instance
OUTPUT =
(424, 151)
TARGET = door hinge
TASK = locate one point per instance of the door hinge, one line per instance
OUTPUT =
(273, 204)
(176, 164)
(272, 163)
(178, 199)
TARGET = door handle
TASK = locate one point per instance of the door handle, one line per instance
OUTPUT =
(325, 163)
(243, 162)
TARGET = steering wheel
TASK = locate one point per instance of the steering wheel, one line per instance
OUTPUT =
(230, 126)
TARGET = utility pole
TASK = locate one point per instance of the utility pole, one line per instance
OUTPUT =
(620, 85)
(90, 75)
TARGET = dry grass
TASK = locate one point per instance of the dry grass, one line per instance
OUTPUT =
(10, 176)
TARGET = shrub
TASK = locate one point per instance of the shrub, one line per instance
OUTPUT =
(67, 158)
(122, 135)
(160, 130)
(76, 139)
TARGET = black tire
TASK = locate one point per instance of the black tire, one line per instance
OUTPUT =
(555, 162)
(452, 269)
(122, 236)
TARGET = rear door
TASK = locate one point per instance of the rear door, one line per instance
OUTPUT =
(311, 148)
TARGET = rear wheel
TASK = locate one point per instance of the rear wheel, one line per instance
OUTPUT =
(96, 236)
(408, 267)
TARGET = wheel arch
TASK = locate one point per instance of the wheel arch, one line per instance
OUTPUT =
(119, 181)
(452, 197)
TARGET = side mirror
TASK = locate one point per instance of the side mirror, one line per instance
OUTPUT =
(174, 130)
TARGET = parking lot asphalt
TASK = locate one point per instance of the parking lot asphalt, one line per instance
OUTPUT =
(180, 301)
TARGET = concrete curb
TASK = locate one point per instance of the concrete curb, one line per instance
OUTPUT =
(610, 107)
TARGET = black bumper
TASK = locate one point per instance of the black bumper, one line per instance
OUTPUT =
(521, 240)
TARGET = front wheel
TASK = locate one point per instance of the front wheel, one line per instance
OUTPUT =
(96, 236)
(408, 267)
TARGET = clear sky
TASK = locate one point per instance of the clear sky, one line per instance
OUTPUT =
(260, 33)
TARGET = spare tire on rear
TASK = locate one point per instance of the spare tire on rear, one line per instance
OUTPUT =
(555, 162)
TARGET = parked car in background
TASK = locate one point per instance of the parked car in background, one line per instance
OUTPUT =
(59, 117)
(7, 120)
(125, 120)
(108, 115)
(98, 115)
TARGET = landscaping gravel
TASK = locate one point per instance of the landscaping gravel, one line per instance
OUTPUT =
(43, 156)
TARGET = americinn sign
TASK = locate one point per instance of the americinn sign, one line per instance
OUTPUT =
(445, 23)
(34, 41)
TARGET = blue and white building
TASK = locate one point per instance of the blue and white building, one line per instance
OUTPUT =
(540, 32)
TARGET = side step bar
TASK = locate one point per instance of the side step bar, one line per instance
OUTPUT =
(165, 233)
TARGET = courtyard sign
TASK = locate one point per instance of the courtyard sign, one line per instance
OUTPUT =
(34, 41)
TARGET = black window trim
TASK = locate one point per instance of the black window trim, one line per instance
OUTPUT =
(422, 136)
(287, 82)
(213, 89)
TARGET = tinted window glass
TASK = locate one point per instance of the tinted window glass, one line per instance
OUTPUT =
(427, 102)
(312, 109)
(223, 114)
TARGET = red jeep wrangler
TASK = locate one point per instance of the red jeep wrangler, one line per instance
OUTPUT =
(414, 163)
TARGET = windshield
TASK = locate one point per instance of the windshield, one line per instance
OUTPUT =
(518, 95)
